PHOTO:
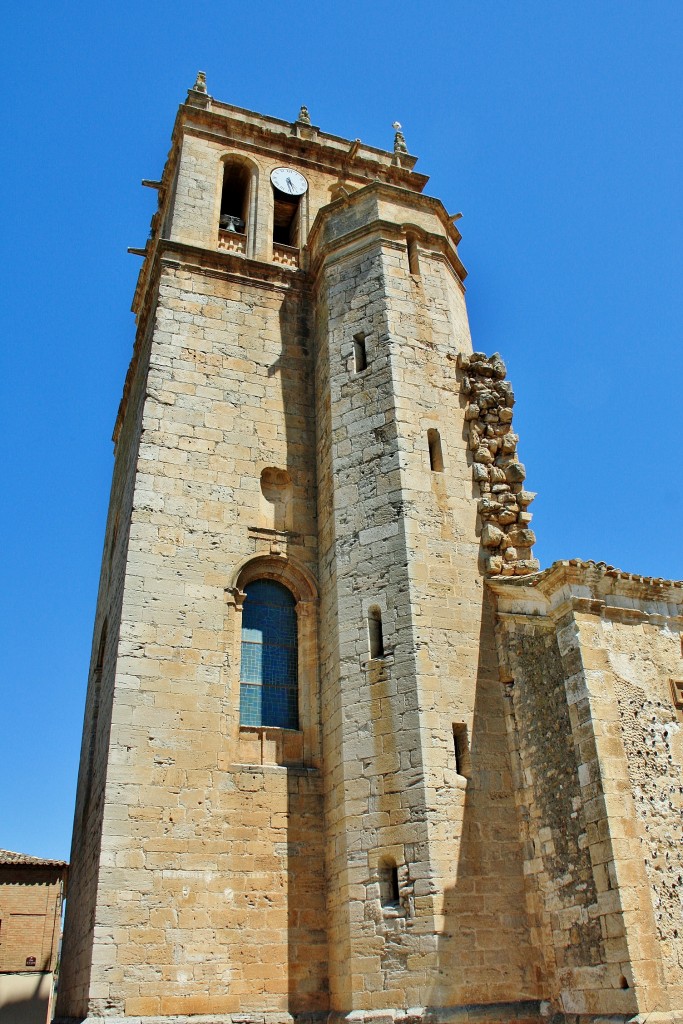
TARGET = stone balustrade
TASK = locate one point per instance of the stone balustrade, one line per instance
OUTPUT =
(232, 241)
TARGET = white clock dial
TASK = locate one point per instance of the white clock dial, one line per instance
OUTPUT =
(289, 181)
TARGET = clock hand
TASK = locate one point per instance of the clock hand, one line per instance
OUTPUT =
(289, 184)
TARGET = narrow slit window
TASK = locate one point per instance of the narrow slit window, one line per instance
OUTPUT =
(389, 890)
(413, 258)
(360, 356)
(435, 452)
(114, 537)
(463, 762)
(92, 741)
(375, 635)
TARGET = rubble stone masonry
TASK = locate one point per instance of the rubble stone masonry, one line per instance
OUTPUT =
(588, 655)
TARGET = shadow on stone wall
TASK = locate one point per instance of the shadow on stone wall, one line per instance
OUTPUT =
(484, 953)
(24, 998)
(307, 984)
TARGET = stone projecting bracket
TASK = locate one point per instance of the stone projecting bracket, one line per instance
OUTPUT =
(503, 505)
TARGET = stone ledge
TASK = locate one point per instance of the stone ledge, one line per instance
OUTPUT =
(481, 1013)
(477, 1013)
(474, 1013)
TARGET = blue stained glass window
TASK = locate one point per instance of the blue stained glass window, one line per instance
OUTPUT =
(268, 672)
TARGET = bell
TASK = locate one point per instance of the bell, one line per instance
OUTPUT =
(229, 222)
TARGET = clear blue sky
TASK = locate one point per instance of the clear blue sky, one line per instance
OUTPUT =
(554, 127)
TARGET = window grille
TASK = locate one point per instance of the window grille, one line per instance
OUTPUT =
(268, 672)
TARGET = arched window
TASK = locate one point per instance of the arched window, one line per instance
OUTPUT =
(235, 197)
(268, 670)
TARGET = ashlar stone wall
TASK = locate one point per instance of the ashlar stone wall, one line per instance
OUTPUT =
(78, 954)
(211, 868)
(479, 814)
(400, 536)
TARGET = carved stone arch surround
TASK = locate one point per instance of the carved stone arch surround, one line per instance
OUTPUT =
(278, 746)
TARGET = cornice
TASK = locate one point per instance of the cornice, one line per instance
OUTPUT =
(320, 250)
(576, 570)
(269, 135)
(214, 262)
(590, 588)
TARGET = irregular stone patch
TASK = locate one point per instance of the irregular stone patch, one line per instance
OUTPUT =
(504, 502)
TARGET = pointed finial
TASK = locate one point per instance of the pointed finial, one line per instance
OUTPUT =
(304, 116)
(200, 84)
(399, 140)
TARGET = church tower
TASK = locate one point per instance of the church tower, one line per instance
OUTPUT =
(296, 792)
(292, 638)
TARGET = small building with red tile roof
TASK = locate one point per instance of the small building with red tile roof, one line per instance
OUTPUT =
(31, 894)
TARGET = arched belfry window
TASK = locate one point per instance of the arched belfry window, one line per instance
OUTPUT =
(269, 657)
(235, 197)
(237, 217)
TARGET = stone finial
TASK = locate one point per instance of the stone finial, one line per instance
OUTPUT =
(304, 117)
(200, 84)
(399, 139)
(197, 96)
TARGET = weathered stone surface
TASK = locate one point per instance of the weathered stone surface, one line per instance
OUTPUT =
(515, 473)
(487, 508)
(465, 850)
(489, 417)
(508, 514)
(491, 536)
(295, 413)
(599, 747)
(522, 538)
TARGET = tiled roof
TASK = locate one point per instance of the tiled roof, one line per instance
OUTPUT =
(25, 859)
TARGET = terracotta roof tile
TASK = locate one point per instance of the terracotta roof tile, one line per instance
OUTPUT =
(10, 857)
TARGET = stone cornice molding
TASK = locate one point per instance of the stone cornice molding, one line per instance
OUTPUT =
(393, 193)
(590, 588)
(443, 246)
(271, 136)
(216, 262)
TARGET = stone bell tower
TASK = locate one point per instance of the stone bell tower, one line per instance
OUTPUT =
(295, 793)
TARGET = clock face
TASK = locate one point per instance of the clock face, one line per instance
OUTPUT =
(289, 181)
